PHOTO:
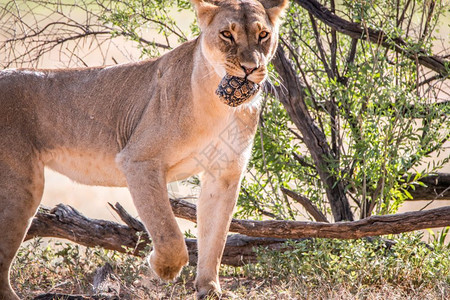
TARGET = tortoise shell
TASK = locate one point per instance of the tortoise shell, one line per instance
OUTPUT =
(234, 91)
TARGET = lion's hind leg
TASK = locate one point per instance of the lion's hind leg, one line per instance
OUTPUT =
(21, 186)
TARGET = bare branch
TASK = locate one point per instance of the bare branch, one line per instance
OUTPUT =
(307, 204)
(27, 36)
(354, 30)
(323, 57)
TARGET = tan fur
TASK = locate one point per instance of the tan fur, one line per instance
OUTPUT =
(140, 125)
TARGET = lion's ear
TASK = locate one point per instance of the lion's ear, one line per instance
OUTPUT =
(205, 12)
(274, 8)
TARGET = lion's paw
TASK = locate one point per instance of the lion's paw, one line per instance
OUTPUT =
(208, 290)
(168, 268)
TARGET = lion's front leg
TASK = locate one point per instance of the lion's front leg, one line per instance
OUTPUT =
(215, 209)
(147, 185)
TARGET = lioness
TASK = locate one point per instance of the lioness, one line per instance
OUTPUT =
(141, 125)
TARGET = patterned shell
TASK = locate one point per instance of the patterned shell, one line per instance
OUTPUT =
(234, 91)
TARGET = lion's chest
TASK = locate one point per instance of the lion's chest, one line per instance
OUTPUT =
(213, 153)
(209, 158)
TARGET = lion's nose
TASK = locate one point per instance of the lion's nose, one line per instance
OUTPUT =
(248, 69)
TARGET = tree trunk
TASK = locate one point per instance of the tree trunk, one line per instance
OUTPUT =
(314, 138)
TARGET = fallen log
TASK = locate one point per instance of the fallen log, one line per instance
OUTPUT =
(66, 222)
(239, 249)
(372, 226)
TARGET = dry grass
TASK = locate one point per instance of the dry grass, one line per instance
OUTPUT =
(315, 269)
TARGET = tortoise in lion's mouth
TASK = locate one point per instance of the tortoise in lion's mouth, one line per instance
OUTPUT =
(234, 91)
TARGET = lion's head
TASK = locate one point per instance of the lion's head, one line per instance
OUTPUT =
(239, 37)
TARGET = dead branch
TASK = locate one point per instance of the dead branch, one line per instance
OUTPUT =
(66, 222)
(372, 226)
(24, 41)
(307, 204)
(436, 188)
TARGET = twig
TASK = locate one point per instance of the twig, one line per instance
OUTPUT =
(307, 204)
(355, 30)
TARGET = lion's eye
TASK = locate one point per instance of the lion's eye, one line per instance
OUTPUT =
(226, 34)
(263, 35)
